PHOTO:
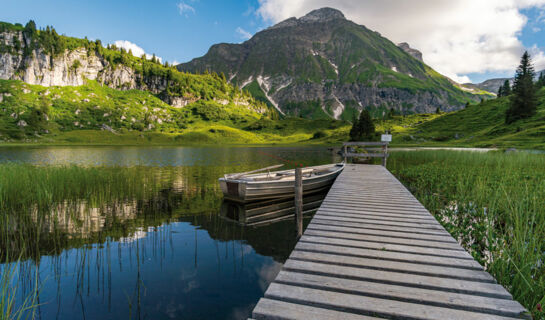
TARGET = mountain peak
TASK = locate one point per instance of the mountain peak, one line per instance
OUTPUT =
(318, 15)
(323, 14)
(413, 52)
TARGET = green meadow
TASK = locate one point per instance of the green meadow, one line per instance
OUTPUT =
(492, 203)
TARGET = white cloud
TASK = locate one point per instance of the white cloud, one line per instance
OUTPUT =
(456, 37)
(538, 58)
(243, 33)
(185, 9)
(136, 50)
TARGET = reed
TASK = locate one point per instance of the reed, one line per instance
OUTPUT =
(494, 204)
(13, 307)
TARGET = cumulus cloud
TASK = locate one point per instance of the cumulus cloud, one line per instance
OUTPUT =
(185, 9)
(243, 33)
(455, 37)
(136, 50)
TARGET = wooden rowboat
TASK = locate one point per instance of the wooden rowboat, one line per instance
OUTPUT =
(249, 186)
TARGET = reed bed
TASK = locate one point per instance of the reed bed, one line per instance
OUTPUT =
(494, 204)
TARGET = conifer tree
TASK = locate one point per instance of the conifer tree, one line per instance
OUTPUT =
(541, 80)
(524, 99)
(363, 129)
(506, 88)
(500, 92)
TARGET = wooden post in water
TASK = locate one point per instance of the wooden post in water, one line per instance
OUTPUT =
(345, 149)
(299, 202)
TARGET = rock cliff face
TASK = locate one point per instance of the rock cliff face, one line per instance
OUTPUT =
(73, 68)
(322, 65)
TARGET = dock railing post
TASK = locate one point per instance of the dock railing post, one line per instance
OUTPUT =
(299, 201)
(385, 158)
(344, 153)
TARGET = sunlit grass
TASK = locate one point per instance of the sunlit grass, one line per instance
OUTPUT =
(493, 203)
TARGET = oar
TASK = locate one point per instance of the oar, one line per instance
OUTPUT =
(239, 175)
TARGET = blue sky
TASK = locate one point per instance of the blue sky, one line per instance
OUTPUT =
(181, 30)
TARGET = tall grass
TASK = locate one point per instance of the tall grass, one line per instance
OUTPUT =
(10, 308)
(494, 204)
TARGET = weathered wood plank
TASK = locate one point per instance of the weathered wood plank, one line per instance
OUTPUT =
(394, 266)
(378, 217)
(276, 309)
(388, 247)
(380, 222)
(359, 224)
(388, 255)
(379, 214)
(384, 239)
(369, 305)
(393, 234)
(503, 307)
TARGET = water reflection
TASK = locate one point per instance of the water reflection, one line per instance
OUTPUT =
(269, 211)
(158, 252)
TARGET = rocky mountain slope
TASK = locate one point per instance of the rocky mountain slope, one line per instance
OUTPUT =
(493, 85)
(322, 65)
(42, 57)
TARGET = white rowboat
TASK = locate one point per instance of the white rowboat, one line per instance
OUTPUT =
(249, 186)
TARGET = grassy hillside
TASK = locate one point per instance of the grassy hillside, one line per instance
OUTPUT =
(479, 125)
(93, 113)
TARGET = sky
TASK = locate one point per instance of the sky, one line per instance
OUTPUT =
(466, 40)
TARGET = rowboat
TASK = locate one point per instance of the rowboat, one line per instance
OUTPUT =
(252, 186)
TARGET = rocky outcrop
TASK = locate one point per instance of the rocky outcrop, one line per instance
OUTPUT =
(73, 68)
(413, 52)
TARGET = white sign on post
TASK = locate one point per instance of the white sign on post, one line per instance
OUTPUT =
(386, 138)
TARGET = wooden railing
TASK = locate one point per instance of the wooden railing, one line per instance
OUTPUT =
(380, 150)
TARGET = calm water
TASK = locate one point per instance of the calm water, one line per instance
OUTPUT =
(166, 255)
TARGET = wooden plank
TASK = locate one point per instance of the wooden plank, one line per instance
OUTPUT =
(389, 247)
(379, 222)
(276, 309)
(363, 205)
(503, 307)
(375, 226)
(378, 217)
(394, 266)
(392, 234)
(366, 155)
(484, 289)
(361, 143)
(384, 239)
(388, 255)
(368, 305)
(414, 216)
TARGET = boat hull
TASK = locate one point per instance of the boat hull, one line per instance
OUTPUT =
(248, 191)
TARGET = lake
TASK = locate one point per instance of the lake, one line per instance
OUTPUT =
(166, 252)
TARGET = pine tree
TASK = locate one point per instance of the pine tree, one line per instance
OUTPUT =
(506, 88)
(541, 81)
(523, 100)
(500, 92)
(363, 129)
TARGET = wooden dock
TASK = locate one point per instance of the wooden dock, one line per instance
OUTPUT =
(373, 251)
